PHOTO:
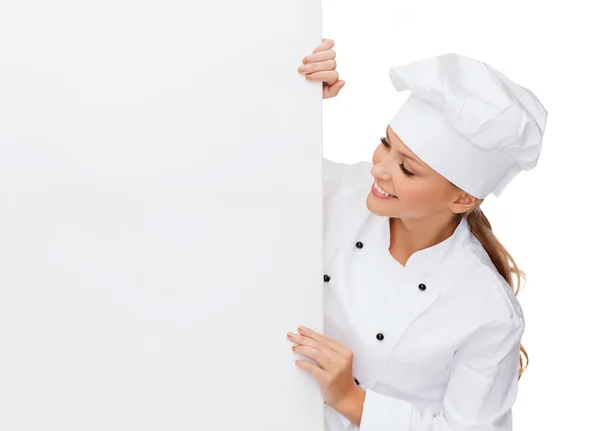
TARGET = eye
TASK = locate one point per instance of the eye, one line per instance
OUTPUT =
(406, 172)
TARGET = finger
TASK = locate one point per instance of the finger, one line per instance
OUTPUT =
(324, 340)
(325, 45)
(334, 89)
(320, 66)
(320, 358)
(319, 56)
(328, 76)
(309, 342)
(319, 374)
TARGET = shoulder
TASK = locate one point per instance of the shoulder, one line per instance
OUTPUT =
(343, 177)
(345, 190)
(482, 286)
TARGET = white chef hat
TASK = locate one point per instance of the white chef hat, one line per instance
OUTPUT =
(468, 122)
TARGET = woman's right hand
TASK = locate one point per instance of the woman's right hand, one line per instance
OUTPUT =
(320, 66)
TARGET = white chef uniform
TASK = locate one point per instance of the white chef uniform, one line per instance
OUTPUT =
(436, 343)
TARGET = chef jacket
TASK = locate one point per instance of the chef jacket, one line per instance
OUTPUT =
(436, 342)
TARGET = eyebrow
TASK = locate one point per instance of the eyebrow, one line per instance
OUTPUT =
(400, 152)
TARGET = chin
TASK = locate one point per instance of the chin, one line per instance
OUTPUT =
(379, 206)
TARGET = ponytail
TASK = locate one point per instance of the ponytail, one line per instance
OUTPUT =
(503, 261)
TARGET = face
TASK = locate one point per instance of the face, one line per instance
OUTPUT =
(420, 192)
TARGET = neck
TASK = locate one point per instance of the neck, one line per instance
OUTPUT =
(410, 236)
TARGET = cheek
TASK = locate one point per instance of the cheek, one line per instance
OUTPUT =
(409, 191)
(417, 192)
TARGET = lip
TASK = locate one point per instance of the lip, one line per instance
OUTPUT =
(379, 185)
(376, 193)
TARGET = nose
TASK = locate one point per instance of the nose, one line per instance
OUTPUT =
(381, 173)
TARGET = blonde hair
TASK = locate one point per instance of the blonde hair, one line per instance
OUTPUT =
(503, 261)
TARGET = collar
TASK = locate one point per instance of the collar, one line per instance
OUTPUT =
(424, 261)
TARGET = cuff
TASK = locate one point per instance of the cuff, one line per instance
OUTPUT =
(385, 413)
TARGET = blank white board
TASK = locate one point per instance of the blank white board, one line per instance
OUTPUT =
(160, 214)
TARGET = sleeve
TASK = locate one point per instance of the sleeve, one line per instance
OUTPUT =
(482, 387)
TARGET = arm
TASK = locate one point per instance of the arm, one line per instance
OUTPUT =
(482, 387)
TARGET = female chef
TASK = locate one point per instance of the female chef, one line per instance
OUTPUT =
(422, 325)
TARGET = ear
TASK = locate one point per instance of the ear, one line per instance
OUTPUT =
(463, 202)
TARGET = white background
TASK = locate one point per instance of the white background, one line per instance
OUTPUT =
(548, 217)
(160, 215)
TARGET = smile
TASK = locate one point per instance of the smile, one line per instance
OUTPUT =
(379, 192)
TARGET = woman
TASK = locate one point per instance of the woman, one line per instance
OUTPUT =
(422, 325)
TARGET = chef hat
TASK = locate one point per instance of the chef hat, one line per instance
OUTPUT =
(468, 122)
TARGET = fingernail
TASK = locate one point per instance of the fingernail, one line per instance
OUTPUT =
(301, 328)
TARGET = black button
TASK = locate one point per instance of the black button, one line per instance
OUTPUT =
(356, 381)
(422, 286)
(326, 278)
(380, 336)
(359, 244)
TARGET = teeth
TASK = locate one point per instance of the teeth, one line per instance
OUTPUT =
(380, 190)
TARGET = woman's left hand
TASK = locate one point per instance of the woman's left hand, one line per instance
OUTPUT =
(334, 370)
